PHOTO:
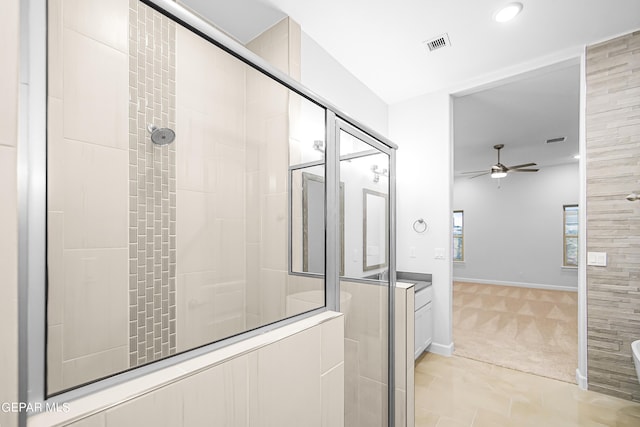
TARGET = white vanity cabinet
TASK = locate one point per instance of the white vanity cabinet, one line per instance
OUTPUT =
(423, 320)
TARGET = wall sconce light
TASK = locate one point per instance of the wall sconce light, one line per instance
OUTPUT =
(318, 145)
(378, 172)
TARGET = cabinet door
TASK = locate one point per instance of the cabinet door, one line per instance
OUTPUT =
(428, 326)
(418, 344)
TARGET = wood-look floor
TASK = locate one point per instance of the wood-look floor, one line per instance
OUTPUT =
(460, 392)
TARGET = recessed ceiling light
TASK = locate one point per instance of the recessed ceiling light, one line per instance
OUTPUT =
(577, 156)
(508, 12)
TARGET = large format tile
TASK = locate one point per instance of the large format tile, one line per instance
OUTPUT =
(289, 371)
(459, 391)
(103, 21)
(198, 231)
(95, 189)
(97, 420)
(218, 396)
(96, 85)
(95, 301)
(162, 408)
(8, 281)
(333, 395)
(9, 34)
(94, 366)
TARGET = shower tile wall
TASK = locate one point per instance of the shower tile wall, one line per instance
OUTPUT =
(152, 186)
(267, 158)
(87, 185)
(211, 192)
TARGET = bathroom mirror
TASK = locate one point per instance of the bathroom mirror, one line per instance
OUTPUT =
(375, 230)
(308, 239)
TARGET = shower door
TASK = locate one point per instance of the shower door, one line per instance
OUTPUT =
(366, 283)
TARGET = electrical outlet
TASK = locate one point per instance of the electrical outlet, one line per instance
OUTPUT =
(412, 252)
(598, 259)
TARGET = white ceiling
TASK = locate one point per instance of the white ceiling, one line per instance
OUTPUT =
(522, 115)
(380, 41)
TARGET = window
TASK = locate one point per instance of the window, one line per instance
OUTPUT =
(570, 236)
(458, 236)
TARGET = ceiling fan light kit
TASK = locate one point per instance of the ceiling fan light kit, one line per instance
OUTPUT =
(500, 171)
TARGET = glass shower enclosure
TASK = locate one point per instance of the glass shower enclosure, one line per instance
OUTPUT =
(198, 196)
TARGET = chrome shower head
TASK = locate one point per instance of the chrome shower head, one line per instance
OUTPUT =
(161, 136)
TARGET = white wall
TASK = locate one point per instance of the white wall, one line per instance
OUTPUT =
(325, 76)
(421, 128)
(513, 228)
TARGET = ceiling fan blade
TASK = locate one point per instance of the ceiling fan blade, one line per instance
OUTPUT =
(522, 166)
(480, 174)
(524, 170)
(472, 172)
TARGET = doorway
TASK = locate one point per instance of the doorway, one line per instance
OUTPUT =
(515, 273)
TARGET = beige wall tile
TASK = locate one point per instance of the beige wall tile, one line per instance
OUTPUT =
(96, 189)
(55, 268)
(274, 155)
(230, 176)
(253, 279)
(54, 358)
(97, 420)
(274, 249)
(9, 74)
(106, 22)
(333, 396)
(195, 307)
(56, 161)
(332, 345)
(9, 51)
(162, 408)
(197, 146)
(231, 249)
(55, 29)
(272, 295)
(198, 231)
(8, 280)
(95, 301)
(372, 403)
(351, 382)
(289, 371)
(218, 396)
(95, 365)
(96, 107)
(253, 199)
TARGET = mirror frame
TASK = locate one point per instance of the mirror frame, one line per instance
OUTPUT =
(367, 192)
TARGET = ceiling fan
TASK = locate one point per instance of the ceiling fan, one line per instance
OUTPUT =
(499, 170)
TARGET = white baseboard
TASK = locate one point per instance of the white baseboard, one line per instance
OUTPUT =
(441, 349)
(581, 380)
(517, 284)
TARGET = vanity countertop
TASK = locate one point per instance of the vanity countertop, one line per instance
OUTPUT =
(419, 280)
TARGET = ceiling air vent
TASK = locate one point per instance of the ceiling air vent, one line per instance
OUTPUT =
(437, 42)
(554, 140)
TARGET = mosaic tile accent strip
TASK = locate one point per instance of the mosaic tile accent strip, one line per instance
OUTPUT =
(152, 187)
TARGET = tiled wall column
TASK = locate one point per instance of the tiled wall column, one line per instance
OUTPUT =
(613, 223)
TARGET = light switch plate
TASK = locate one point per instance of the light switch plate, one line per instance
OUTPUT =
(597, 259)
(439, 253)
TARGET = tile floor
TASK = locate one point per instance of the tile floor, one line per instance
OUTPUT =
(455, 391)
